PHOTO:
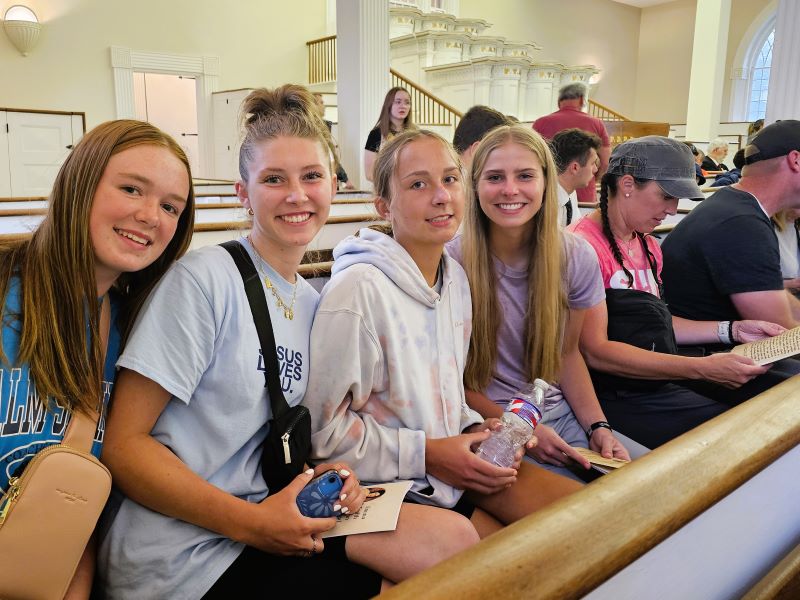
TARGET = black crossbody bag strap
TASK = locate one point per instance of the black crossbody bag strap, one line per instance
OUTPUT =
(261, 318)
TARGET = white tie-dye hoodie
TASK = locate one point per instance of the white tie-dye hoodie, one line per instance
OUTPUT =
(387, 363)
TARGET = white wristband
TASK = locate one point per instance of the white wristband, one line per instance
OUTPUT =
(723, 332)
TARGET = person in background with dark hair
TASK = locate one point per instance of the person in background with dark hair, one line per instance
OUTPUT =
(634, 370)
(732, 176)
(698, 158)
(341, 174)
(475, 123)
(120, 213)
(395, 118)
(571, 102)
(577, 160)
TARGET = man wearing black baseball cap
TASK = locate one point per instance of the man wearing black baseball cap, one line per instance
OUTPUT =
(721, 262)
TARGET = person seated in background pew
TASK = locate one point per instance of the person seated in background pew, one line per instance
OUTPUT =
(698, 155)
(722, 263)
(733, 175)
(629, 341)
(716, 152)
(475, 123)
(576, 155)
(786, 224)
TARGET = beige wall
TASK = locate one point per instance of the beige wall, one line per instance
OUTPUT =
(259, 42)
(665, 57)
(665, 62)
(573, 32)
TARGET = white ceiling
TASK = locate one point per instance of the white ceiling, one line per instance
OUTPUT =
(642, 3)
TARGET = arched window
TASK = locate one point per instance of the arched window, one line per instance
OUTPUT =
(759, 81)
(751, 66)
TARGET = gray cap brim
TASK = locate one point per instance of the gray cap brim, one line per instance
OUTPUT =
(681, 188)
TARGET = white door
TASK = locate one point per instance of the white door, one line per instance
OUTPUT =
(37, 145)
(170, 103)
(227, 136)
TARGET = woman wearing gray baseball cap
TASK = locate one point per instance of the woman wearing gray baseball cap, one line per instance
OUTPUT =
(630, 341)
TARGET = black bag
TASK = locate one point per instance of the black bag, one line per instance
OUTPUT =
(640, 319)
(288, 443)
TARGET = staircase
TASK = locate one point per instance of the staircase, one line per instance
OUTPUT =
(450, 63)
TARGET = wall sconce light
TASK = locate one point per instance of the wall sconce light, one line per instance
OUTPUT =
(22, 28)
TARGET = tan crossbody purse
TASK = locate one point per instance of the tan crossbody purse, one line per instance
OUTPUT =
(49, 512)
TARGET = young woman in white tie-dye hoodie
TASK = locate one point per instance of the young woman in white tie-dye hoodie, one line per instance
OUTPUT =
(389, 344)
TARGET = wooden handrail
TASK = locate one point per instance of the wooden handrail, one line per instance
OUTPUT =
(603, 112)
(22, 212)
(569, 548)
(781, 583)
(428, 108)
(322, 39)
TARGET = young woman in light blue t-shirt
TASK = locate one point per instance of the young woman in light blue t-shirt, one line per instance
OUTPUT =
(191, 410)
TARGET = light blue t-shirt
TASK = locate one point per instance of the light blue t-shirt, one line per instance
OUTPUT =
(196, 338)
(26, 426)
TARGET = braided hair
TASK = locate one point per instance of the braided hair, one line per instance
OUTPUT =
(608, 184)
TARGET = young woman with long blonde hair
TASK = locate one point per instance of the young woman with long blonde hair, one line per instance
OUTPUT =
(530, 284)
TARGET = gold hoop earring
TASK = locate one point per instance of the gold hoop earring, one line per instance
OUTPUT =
(250, 212)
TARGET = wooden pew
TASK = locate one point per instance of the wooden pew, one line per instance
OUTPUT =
(703, 516)
(621, 131)
(336, 228)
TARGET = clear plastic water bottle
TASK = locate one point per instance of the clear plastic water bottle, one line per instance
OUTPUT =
(523, 412)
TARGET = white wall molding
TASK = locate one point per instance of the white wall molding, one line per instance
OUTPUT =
(205, 69)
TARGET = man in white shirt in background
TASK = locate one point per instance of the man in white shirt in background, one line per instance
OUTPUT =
(576, 154)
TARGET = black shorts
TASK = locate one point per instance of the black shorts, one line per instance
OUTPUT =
(462, 507)
(258, 574)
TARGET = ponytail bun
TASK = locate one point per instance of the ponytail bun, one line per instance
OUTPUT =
(286, 111)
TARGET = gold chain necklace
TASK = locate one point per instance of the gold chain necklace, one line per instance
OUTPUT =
(288, 310)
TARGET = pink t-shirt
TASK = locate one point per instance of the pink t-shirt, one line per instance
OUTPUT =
(635, 259)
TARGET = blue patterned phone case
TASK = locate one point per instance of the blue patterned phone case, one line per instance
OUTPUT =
(320, 495)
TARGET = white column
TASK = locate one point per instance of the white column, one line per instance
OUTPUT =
(362, 67)
(708, 69)
(783, 100)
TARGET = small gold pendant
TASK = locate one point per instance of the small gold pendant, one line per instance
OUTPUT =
(289, 314)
